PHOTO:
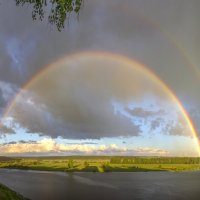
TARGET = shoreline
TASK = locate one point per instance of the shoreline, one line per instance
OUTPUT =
(7, 193)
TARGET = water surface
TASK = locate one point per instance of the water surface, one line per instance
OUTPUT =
(39, 185)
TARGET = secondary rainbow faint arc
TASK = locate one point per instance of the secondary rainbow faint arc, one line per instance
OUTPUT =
(169, 38)
(122, 59)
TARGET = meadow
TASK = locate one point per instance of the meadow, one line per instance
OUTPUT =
(102, 163)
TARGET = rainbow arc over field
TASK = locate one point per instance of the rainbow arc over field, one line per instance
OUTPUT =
(122, 59)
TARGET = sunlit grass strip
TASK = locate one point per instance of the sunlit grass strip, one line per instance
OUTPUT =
(98, 165)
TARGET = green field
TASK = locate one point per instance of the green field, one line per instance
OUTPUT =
(7, 194)
(102, 164)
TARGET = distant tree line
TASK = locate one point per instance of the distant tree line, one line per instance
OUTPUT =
(154, 160)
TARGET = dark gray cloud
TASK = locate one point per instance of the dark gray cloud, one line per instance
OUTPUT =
(148, 31)
(2, 100)
(6, 130)
(72, 143)
(76, 99)
(164, 120)
(195, 115)
(154, 119)
(156, 123)
(20, 142)
(142, 113)
(7, 92)
(101, 26)
(178, 126)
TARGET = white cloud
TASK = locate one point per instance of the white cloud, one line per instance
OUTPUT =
(50, 146)
(152, 151)
(7, 90)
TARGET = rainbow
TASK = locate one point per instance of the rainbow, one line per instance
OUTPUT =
(124, 60)
(127, 10)
(178, 47)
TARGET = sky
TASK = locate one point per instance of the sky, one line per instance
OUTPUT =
(114, 73)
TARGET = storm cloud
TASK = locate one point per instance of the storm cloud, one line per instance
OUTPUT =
(77, 100)
(151, 32)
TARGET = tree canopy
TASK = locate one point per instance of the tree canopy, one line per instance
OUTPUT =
(59, 10)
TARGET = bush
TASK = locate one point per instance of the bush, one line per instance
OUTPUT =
(70, 164)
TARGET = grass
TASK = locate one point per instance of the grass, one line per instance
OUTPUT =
(91, 164)
(8, 194)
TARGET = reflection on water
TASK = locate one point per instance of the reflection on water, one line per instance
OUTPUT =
(91, 182)
(139, 185)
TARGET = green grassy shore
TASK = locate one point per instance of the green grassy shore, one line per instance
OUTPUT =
(103, 164)
(8, 194)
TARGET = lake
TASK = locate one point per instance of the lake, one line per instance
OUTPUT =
(38, 185)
